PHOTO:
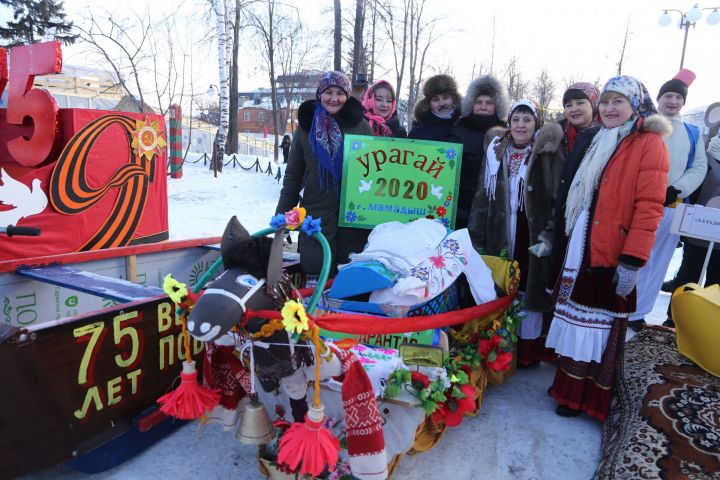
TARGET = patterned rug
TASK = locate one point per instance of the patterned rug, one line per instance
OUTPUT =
(664, 421)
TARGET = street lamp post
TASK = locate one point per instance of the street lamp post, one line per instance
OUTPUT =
(689, 19)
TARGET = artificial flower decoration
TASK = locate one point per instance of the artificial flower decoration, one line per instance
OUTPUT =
(495, 358)
(294, 319)
(311, 226)
(147, 139)
(278, 221)
(176, 290)
(452, 411)
(420, 378)
(294, 218)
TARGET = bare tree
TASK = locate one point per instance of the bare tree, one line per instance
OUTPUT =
(395, 23)
(274, 27)
(544, 91)
(516, 85)
(293, 55)
(624, 46)
(421, 36)
(121, 44)
(358, 56)
(337, 37)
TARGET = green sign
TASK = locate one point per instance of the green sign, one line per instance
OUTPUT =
(397, 179)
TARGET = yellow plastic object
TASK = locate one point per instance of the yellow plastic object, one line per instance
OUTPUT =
(696, 312)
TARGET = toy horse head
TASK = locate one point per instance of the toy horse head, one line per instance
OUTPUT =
(253, 268)
(242, 286)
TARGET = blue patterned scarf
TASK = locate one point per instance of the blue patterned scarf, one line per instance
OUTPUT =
(326, 138)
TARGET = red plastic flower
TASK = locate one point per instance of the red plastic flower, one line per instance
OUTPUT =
(441, 211)
(452, 411)
(501, 360)
(421, 378)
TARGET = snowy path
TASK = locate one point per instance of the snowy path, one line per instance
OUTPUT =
(516, 436)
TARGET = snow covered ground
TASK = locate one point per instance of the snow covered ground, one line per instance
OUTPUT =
(517, 434)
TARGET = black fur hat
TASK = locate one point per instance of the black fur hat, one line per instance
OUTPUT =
(441, 84)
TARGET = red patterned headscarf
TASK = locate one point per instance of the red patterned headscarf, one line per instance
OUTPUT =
(376, 121)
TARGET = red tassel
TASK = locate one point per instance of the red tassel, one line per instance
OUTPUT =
(190, 400)
(309, 443)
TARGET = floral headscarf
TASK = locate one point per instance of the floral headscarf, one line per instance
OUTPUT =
(634, 90)
(326, 137)
(376, 121)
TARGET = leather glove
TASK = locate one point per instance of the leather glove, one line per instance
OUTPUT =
(625, 279)
(541, 249)
(671, 195)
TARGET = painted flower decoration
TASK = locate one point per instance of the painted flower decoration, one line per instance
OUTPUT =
(295, 320)
(441, 211)
(294, 218)
(356, 146)
(450, 153)
(311, 226)
(176, 290)
(449, 198)
(445, 222)
(446, 203)
(350, 216)
(495, 358)
(438, 261)
(452, 245)
(278, 221)
(420, 272)
(430, 216)
(147, 139)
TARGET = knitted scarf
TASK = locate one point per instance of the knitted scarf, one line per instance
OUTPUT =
(326, 140)
(587, 177)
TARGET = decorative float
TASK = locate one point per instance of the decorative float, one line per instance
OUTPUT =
(369, 404)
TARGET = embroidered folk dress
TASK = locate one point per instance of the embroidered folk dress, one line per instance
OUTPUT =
(588, 339)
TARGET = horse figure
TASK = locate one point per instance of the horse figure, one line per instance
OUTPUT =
(253, 280)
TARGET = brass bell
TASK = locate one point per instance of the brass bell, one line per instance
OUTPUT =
(255, 427)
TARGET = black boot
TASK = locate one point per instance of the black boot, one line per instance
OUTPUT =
(669, 286)
(565, 411)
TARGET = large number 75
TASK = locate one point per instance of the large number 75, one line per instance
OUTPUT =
(28, 106)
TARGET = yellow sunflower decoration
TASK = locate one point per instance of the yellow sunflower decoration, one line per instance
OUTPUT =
(148, 139)
(295, 319)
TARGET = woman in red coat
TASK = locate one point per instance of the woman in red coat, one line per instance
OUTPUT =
(614, 205)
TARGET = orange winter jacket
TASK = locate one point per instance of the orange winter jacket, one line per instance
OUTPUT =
(629, 200)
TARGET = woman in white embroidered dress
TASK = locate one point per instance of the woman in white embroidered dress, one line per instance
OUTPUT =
(498, 223)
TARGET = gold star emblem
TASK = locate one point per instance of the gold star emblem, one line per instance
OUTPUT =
(148, 139)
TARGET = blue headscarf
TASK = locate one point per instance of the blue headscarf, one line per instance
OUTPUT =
(326, 138)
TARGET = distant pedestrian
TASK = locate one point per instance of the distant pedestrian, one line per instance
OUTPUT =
(285, 146)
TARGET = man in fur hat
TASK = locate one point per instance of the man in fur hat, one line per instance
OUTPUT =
(688, 165)
(436, 114)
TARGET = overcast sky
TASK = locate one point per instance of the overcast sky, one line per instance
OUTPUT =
(571, 38)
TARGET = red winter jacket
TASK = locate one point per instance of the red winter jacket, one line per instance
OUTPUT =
(629, 201)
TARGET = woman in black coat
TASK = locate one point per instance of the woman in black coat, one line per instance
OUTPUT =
(314, 170)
